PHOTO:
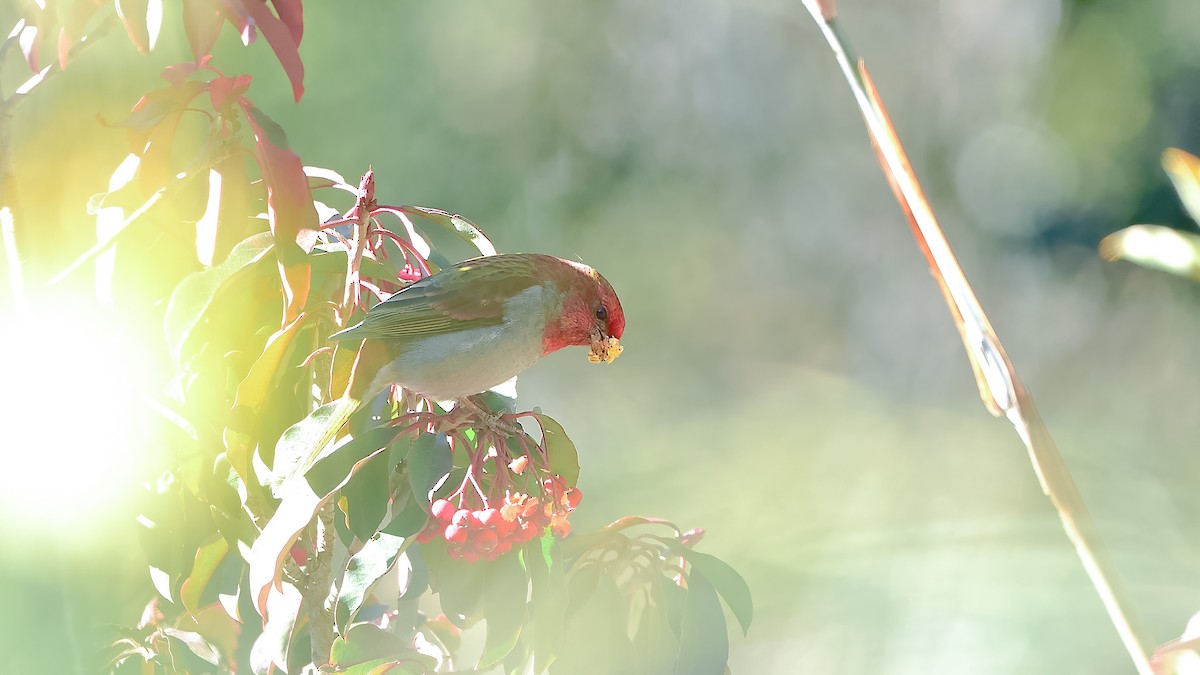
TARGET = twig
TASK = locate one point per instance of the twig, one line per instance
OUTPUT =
(102, 246)
(316, 589)
(362, 221)
(999, 387)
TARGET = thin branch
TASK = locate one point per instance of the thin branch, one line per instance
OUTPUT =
(999, 387)
(362, 221)
(103, 245)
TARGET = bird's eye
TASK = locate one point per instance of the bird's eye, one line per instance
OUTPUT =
(601, 313)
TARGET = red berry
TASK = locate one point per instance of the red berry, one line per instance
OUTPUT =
(443, 510)
(470, 555)
(574, 496)
(461, 517)
(489, 517)
(456, 534)
(504, 528)
(485, 540)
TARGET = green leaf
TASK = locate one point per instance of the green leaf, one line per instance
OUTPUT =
(366, 567)
(208, 557)
(458, 583)
(594, 639)
(195, 642)
(564, 457)
(412, 663)
(366, 495)
(655, 645)
(549, 598)
(254, 392)
(192, 297)
(704, 643)
(732, 587)
(409, 521)
(428, 462)
(299, 450)
(465, 229)
(504, 607)
(366, 642)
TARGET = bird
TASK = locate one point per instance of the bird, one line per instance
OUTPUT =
(481, 322)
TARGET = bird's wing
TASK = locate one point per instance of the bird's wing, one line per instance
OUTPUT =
(470, 294)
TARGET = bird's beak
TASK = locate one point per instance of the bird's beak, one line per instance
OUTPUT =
(604, 347)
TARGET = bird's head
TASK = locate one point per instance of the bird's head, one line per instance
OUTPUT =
(591, 314)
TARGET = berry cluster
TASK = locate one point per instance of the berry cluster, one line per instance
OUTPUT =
(484, 534)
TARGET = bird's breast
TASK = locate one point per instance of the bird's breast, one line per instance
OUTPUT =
(464, 362)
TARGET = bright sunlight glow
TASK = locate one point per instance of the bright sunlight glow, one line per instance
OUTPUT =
(71, 412)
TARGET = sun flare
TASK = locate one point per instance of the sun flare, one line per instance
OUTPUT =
(71, 416)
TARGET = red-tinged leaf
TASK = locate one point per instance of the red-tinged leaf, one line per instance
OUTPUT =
(152, 109)
(297, 507)
(178, 73)
(217, 627)
(291, 13)
(289, 206)
(30, 40)
(1156, 246)
(202, 22)
(225, 90)
(155, 169)
(1184, 170)
(234, 11)
(271, 648)
(74, 25)
(133, 16)
(296, 281)
(208, 557)
(279, 36)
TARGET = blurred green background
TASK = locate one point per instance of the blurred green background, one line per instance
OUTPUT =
(792, 382)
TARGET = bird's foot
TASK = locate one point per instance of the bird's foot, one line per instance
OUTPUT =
(477, 415)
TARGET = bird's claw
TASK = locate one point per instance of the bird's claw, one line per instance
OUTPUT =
(477, 416)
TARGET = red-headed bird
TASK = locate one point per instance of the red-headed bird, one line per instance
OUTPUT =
(479, 323)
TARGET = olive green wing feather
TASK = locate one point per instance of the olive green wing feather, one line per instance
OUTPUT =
(470, 294)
